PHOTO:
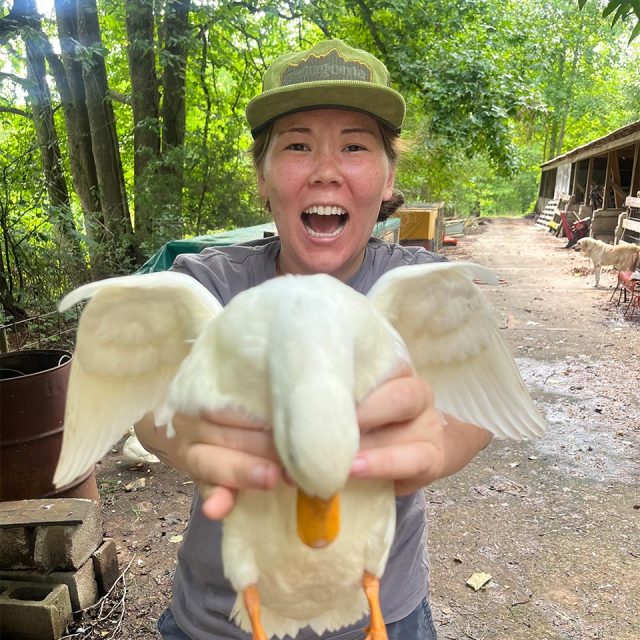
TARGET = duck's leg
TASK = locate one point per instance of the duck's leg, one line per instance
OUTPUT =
(252, 603)
(377, 629)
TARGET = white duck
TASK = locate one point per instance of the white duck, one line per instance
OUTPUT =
(299, 353)
(135, 453)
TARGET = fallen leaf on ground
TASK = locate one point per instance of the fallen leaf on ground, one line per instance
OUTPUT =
(135, 485)
(478, 580)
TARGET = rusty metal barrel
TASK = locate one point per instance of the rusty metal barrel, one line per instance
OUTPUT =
(33, 389)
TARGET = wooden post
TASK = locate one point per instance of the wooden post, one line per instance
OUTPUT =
(605, 190)
(614, 170)
(587, 187)
(635, 172)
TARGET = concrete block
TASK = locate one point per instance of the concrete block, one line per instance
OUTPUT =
(31, 611)
(69, 545)
(64, 532)
(16, 548)
(105, 565)
(83, 589)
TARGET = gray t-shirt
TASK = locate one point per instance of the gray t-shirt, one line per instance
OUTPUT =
(202, 596)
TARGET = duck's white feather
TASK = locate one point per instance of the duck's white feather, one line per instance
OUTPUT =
(300, 586)
(455, 344)
(133, 334)
(298, 353)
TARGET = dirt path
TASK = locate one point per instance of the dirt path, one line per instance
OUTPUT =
(556, 523)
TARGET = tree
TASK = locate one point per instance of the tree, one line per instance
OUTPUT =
(145, 100)
(24, 19)
(623, 9)
(118, 246)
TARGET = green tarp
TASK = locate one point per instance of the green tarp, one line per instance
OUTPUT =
(163, 259)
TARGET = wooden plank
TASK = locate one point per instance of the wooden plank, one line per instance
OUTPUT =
(33, 513)
(631, 225)
(632, 202)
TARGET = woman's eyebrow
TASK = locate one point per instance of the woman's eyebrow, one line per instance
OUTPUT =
(294, 130)
(346, 131)
(359, 130)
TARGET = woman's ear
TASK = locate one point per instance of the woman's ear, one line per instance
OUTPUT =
(390, 183)
(262, 184)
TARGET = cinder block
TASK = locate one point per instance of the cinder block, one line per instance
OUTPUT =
(83, 589)
(105, 565)
(31, 611)
(70, 545)
(16, 548)
(65, 532)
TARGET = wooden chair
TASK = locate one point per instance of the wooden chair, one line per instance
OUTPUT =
(633, 287)
(627, 286)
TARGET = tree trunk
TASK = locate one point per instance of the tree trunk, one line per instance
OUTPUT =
(83, 168)
(145, 103)
(37, 46)
(176, 31)
(118, 243)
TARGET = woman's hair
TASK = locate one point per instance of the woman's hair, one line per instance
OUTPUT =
(392, 147)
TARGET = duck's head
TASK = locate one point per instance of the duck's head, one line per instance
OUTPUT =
(312, 362)
(317, 436)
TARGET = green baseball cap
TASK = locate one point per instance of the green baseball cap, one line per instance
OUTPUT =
(329, 75)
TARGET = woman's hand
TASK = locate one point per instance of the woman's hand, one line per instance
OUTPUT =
(223, 452)
(405, 439)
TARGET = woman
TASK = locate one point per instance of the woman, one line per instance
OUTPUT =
(326, 130)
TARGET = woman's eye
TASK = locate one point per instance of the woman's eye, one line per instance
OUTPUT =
(297, 146)
(354, 147)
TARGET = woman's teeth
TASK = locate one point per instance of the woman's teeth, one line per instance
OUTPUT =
(326, 210)
(322, 221)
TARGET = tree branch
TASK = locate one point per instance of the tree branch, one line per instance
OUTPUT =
(15, 111)
(123, 98)
(23, 82)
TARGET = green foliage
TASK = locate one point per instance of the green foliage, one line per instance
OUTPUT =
(35, 266)
(621, 10)
(493, 88)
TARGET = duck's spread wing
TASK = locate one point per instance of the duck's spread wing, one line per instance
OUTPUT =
(454, 341)
(133, 334)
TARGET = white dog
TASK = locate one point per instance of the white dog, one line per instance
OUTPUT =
(623, 256)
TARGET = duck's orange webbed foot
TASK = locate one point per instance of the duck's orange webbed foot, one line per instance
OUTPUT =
(252, 603)
(377, 629)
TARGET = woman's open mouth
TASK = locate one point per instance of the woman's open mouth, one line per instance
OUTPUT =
(324, 221)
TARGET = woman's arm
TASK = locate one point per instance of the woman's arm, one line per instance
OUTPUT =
(154, 439)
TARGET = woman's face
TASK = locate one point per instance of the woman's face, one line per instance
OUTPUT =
(325, 174)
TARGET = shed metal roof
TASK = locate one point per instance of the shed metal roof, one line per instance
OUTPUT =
(621, 137)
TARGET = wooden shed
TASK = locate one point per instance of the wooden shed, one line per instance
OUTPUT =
(594, 180)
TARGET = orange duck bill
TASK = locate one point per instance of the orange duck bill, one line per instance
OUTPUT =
(318, 519)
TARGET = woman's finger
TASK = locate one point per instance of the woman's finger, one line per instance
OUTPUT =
(248, 437)
(395, 401)
(233, 418)
(219, 466)
(217, 501)
(417, 463)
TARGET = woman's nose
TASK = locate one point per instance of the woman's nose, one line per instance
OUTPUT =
(326, 169)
